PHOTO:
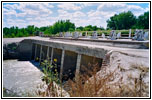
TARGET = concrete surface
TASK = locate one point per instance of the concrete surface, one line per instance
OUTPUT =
(95, 45)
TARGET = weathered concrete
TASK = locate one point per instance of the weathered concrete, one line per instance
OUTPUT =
(25, 49)
(78, 65)
(52, 55)
(92, 49)
(78, 48)
(70, 60)
(62, 62)
(127, 43)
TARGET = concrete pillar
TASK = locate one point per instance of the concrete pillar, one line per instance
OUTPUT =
(40, 53)
(35, 51)
(129, 33)
(86, 34)
(52, 55)
(47, 53)
(61, 69)
(78, 66)
(62, 61)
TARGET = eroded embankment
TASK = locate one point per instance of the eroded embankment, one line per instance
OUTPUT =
(123, 75)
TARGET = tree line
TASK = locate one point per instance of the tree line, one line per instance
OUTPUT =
(127, 20)
(31, 30)
(124, 20)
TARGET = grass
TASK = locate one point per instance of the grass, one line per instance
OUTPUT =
(51, 79)
(107, 84)
(91, 87)
(103, 83)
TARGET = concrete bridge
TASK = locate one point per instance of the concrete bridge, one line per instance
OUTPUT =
(74, 57)
(72, 54)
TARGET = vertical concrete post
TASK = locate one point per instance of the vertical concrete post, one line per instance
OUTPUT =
(52, 55)
(129, 33)
(40, 53)
(47, 53)
(35, 51)
(61, 69)
(62, 61)
(78, 66)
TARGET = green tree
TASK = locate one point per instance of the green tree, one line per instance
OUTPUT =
(71, 29)
(124, 20)
(94, 28)
(30, 29)
(143, 21)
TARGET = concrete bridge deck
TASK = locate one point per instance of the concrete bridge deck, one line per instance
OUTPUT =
(88, 44)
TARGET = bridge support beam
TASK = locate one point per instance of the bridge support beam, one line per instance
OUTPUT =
(78, 66)
(47, 53)
(52, 55)
(62, 61)
(35, 51)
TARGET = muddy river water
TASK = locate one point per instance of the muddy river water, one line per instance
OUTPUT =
(21, 76)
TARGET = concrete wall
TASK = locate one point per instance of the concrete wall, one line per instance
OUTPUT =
(33, 52)
(25, 49)
(50, 50)
(57, 55)
(90, 64)
(44, 53)
(38, 51)
(68, 62)
(69, 65)
(96, 52)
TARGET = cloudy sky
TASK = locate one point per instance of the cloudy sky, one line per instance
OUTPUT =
(82, 14)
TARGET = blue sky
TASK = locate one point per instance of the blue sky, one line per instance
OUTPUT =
(82, 14)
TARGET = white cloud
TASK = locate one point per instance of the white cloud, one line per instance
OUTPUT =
(83, 5)
(28, 9)
(29, 19)
(69, 6)
(43, 14)
(26, 13)
(62, 14)
(8, 6)
(147, 9)
(21, 14)
(36, 8)
(9, 12)
(106, 10)
(119, 7)
(78, 14)
(110, 7)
